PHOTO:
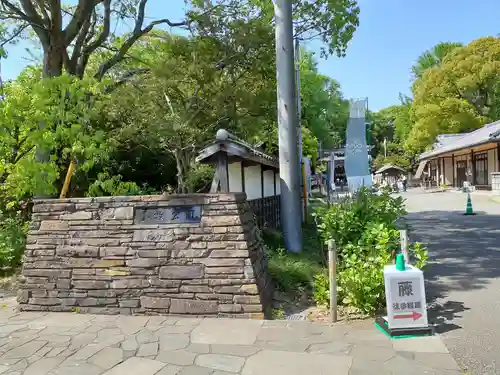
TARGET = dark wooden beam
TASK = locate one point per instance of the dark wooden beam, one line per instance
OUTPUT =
(444, 170)
(473, 167)
(453, 168)
(243, 164)
(498, 157)
(222, 172)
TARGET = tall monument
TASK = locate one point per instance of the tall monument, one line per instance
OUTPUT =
(356, 156)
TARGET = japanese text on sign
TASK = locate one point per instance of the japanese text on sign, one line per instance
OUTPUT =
(405, 288)
(407, 305)
(405, 297)
(168, 215)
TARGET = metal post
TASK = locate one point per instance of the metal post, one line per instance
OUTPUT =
(403, 237)
(332, 260)
(287, 128)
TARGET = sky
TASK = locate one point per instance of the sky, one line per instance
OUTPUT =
(391, 36)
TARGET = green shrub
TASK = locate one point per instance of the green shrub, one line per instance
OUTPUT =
(365, 231)
(419, 254)
(345, 222)
(291, 273)
(321, 294)
(107, 185)
(13, 231)
(200, 177)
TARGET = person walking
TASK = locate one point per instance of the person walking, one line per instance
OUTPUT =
(404, 183)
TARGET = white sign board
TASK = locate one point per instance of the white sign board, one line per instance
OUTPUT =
(405, 297)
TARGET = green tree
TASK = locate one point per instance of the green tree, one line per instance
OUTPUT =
(197, 85)
(433, 57)
(324, 110)
(70, 33)
(61, 106)
(332, 22)
(459, 95)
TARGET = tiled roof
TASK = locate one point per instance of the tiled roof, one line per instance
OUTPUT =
(446, 139)
(454, 142)
(387, 167)
(232, 145)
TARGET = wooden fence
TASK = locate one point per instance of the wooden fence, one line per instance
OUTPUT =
(267, 211)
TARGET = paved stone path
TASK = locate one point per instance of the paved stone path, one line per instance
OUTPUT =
(464, 273)
(78, 344)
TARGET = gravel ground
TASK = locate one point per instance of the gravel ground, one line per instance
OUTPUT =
(464, 275)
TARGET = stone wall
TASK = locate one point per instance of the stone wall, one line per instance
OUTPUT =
(182, 254)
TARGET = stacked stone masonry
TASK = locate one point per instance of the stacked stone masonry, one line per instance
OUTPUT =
(99, 255)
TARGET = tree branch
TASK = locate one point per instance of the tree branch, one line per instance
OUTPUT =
(7, 4)
(42, 6)
(78, 45)
(105, 31)
(125, 78)
(82, 12)
(35, 20)
(55, 15)
(14, 35)
(137, 33)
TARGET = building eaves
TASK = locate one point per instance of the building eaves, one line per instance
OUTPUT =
(488, 133)
(234, 146)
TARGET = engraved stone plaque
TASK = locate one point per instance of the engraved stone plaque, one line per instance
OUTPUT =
(168, 215)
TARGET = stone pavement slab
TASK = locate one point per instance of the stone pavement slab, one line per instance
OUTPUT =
(62, 344)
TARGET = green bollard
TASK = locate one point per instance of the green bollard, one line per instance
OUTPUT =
(400, 262)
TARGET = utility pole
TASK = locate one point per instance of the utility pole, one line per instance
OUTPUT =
(287, 128)
(299, 130)
(299, 99)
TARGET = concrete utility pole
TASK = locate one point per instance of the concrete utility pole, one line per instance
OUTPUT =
(299, 129)
(299, 99)
(287, 128)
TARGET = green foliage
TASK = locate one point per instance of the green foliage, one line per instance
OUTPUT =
(361, 281)
(107, 185)
(47, 114)
(419, 254)
(397, 158)
(324, 110)
(321, 289)
(292, 273)
(277, 314)
(200, 177)
(455, 90)
(347, 221)
(433, 57)
(333, 22)
(365, 232)
(13, 231)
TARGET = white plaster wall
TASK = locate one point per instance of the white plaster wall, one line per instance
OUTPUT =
(278, 183)
(491, 164)
(497, 167)
(253, 186)
(235, 185)
(268, 183)
(448, 171)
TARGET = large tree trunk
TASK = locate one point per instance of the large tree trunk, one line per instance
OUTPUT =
(53, 56)
(183, 162)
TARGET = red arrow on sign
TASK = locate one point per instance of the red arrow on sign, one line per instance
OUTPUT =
(414, 315)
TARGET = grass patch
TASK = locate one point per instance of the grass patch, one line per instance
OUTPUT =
(294, 273)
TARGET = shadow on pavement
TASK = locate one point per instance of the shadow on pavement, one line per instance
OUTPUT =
(464, 255)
